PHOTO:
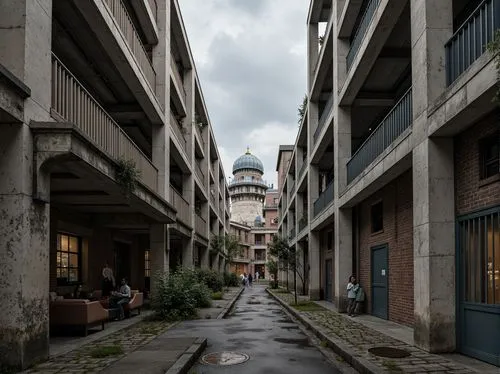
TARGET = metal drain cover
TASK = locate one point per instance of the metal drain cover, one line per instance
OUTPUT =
(224, 358)
(389, 352)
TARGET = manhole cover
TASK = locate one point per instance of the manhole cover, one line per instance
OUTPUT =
(225, 358)
(389, 352)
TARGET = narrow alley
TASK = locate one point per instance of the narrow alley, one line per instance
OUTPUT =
(258, 328)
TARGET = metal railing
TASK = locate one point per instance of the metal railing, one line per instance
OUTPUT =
(200, 173)
(178, 131)
(177, 76)
(258, 182)
(361, 31)
(391, 127)
(200, 225)
(470, 40)
(291, 233)
(221, 211)
(323, 118)
(324, 199)
(181, 205)
(75, 104)
(126, 26)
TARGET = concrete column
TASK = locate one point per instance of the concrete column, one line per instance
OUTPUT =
(315, 266)
(342, 254)
(434, 245)
(187, 253)
(431, 28)
(158, 237)
(25, 50)
(161, 132)
(205, 258)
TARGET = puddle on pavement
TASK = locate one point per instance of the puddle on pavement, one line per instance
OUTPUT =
(289, 327)
(247, 319)
(303, 342)
(284, 320)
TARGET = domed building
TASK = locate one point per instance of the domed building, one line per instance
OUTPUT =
(247, 190)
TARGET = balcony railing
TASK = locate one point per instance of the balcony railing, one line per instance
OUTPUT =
(361, 31)
(178, 131)
(200, 226)
(199, 173)
(126, 26)
(324, 199)
(212, 197)
(470, 40)
(323, 118)
(292, 188)
(391, 127)
(76, 105)
(181, 205)
(291, 233)
(221, 211)
(260, 258)
(177, 76)
(325, 36)
(248, 180)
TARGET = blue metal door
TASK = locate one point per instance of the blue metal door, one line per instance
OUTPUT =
(328, 280)
(478, 282)
(379, 291)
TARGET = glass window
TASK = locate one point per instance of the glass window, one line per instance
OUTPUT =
(377, 217)
(489, 153)
(68, 259)
(480, 258)
(147, 263)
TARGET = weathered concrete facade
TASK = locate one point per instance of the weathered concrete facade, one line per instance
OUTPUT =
(392, 103)
(67, 135)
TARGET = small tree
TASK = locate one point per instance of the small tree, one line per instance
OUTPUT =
(494, 48)
(227, 245)
(272, 267)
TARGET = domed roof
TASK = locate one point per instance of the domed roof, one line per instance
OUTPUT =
(248, 161)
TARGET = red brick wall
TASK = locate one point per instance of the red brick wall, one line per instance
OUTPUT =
(398, 235)
(471, 193)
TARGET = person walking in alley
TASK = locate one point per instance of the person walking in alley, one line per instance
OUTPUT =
(250, 280)
(257, 276)
(352, 289)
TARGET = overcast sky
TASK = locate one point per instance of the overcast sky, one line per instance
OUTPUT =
(251, 59)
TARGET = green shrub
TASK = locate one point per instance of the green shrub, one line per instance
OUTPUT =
(179, 294)
(217, 296)
(231, 279)
(211, 278)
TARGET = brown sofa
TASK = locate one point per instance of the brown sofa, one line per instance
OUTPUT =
(135, 303)
(77, 312)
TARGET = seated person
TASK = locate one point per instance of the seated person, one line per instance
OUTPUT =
(118, 299)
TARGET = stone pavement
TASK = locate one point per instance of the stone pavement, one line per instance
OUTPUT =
(135, 346)
(351, 340)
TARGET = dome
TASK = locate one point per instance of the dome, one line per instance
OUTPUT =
(248, 161)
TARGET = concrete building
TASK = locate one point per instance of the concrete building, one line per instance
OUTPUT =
(394, 174)
(254, 206)
(87, 90)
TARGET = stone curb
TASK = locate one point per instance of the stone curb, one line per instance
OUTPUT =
(337, 345)
(188, 358)
(229, 306)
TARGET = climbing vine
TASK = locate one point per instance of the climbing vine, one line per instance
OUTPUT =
(126, 175)
(494, 48)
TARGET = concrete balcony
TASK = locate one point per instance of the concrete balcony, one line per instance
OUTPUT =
(72, 103)
(391, 127)
(178, 131)
(178, 83)
(249, 181)
(146, 12)
(200, 226)
(14, 92)
(182, 207)
(325, 115)
(118, 37)
(199, 173)
(291, 234)
(470, 40)
(324, 199)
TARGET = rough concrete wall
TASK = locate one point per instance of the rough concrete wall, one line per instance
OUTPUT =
(472, 193)
(398, 234)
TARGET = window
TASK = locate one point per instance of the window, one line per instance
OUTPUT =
(489, 149)
(68, 267)
(377, 217)
(147, 263)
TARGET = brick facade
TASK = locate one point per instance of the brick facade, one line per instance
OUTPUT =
(471, 193)
(398, 235)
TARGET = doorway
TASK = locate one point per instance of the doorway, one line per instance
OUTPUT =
(328, 280)
(379, 291)
(122, 261)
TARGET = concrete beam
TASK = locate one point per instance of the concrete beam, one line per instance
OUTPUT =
(348, 18)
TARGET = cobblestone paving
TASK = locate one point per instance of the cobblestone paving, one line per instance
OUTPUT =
(83, 360)
(360, 338)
